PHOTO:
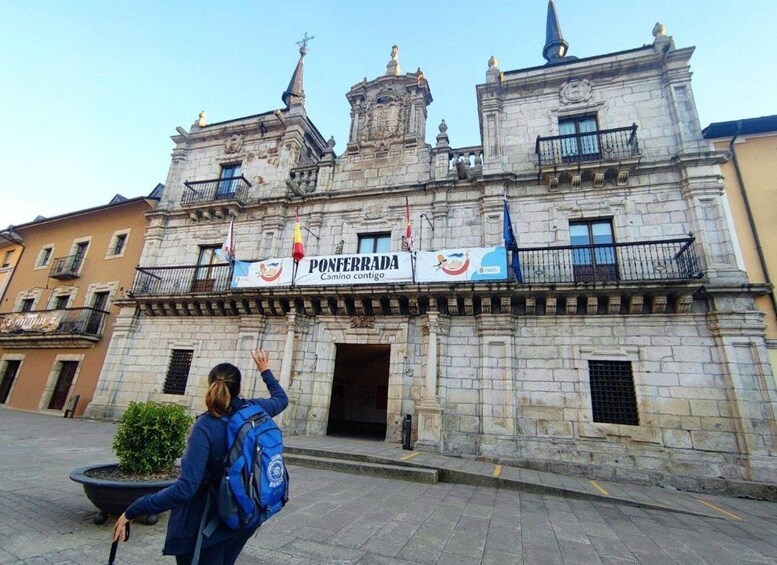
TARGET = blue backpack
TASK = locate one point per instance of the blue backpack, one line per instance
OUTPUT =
(255, 485)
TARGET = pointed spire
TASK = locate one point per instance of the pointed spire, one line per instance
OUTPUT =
(555, 47)
(294, 93)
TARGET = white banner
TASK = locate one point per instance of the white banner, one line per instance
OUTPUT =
(31, 322)
(464, 264)
(364, 268)
(270, 272)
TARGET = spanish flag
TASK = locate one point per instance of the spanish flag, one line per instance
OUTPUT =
(297, 250)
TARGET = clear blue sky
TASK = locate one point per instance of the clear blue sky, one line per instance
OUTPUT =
(90, 91)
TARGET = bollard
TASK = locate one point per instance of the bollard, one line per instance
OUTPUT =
(407, 428)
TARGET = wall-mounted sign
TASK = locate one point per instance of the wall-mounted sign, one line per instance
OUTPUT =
(31, 322)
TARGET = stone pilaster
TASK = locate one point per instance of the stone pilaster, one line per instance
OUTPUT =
(428, 411)
(752, 392)
(497, 395)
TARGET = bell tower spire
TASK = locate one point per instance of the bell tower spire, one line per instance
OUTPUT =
(294, 94)
(556, 47)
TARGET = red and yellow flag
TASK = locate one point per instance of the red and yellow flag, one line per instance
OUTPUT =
(297, 250)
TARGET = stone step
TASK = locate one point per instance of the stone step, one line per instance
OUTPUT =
(401, 472)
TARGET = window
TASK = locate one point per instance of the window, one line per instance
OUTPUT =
(60, 302)
(613, 400)
(99, 303)
(228, 181)
(78, 256)
(178, 371)
(205, 273)
(44, 257)
(27, 304)
(375, 243)
(118, 244)
(7, 259)
(593, 261)
(582, 143)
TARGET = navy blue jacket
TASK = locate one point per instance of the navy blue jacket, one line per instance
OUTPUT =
(202, 461)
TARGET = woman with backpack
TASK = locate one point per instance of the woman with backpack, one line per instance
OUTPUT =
(202, 467)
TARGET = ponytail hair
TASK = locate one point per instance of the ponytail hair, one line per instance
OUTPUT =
(224, 385)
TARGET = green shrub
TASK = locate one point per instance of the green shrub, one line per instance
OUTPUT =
(150, 437)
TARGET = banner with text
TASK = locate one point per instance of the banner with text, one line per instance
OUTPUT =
(364, 268)
(270, 272)
(464, 264)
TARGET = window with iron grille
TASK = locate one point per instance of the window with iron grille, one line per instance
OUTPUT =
(178, 371)
(613, 399)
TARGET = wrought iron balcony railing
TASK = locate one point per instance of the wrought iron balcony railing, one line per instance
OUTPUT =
(216, 190)
(666, 260)
(54, 323)
(599, 145)
(167, 281)
(66, 267)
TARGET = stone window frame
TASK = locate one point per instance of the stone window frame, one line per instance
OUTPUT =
(51, 382)
(4, 365)
(646, 431)
(39, 264)
(7, 258)
(187, 397)
(70, 291)
(110, 287)
(34, 294)
(598, 109)
(110, 253)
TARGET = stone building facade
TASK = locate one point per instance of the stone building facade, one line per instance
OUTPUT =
(625, 344)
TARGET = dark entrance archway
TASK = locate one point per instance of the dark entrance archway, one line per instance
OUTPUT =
(359, 391)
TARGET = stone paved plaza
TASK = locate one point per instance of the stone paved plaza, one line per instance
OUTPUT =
(343, 518)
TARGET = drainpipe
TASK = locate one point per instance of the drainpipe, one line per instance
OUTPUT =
(753, 229)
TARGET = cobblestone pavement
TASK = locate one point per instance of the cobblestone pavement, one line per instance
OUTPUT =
(341, 518)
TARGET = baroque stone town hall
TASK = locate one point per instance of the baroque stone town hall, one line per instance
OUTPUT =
(618, 334)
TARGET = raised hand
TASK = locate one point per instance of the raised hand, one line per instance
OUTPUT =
(262, 359)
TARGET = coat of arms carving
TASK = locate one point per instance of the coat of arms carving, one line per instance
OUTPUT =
(385, 117)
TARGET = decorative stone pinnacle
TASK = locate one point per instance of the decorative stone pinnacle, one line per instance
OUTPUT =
(493, 62)
(202, 119)
(392, 69)
(659, 29)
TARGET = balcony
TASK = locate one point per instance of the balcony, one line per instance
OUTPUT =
(172, 281)
(654, 261)
(71, 327)
(230, 190)
(465, 162)
(652, 277)
(596, 156)
(66, 268)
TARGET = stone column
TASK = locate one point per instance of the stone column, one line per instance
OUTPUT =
(288, 350)
(428, 411)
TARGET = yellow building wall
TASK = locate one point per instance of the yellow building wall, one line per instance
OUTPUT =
(39, 364)
(757, 157)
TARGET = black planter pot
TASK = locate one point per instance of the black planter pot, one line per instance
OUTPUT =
(112, 497)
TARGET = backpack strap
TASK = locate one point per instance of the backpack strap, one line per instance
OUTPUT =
(201, 531)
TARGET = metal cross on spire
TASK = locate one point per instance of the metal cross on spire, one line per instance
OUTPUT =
(303, 43)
